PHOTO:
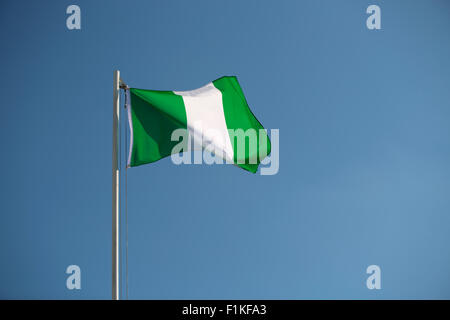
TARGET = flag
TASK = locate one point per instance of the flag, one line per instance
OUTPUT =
(215, 117)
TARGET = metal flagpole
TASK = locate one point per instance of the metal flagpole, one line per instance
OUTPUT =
(115, 188)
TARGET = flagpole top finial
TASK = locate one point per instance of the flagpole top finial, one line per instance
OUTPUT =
(123, 85)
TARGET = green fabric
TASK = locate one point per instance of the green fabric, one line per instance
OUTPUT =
(154, 115)
(239, 116)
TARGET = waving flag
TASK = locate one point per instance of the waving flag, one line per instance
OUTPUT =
(215, 116)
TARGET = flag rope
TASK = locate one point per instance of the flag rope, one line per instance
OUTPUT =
(123, 194)
(120, 198)
(126, 201)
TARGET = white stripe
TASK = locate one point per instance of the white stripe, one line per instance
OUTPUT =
(206, 120)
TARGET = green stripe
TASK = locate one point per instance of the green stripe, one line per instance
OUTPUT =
(154, 115)
(239, 116)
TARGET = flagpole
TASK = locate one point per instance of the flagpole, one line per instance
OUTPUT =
(115, 188)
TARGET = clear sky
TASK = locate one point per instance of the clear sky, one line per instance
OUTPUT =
(364, 150)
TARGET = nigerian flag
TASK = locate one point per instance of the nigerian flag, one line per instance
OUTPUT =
(215, 117)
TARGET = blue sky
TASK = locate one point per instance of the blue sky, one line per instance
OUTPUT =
(364, 150)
